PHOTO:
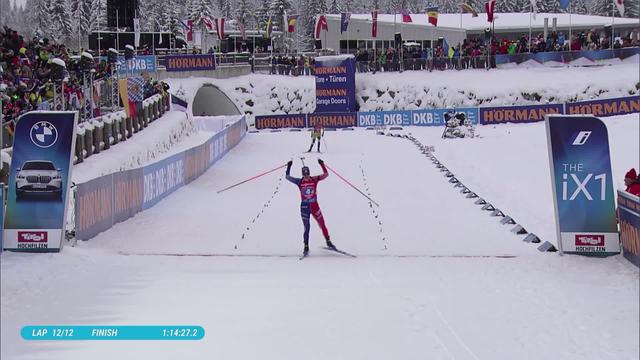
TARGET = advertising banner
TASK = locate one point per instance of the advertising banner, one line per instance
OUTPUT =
(590, 57)
(281, 121)
(517, 114)
(583, 188)
(629, 216)
(435, 117)
(94, 207)
(384, 118)
(605, 107)
(136, 66)
(128, 189)
(335, 83)
(39, 181)
(162, 178)
(1, 213)
(333, 120)
(190, 62)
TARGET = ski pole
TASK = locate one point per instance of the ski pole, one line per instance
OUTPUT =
(326, 148)
(350, 184)
(252, 178)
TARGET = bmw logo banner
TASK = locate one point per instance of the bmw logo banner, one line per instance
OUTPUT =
(39, 181)
(582, 185)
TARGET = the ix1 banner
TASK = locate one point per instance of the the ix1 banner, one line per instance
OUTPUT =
(39, 181)
(335, 83)
(583, 188)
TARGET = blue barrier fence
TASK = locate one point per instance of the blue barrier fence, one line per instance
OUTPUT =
(488, 115)
(102, 202)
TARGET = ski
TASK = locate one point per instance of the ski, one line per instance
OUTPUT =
(339, 251)
(303, 256)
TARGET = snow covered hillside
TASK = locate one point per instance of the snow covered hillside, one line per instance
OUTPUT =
(435, 276)
(266, 94)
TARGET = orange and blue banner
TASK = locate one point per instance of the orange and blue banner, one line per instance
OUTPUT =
(605, 107)
(175, 63)
(517, 114)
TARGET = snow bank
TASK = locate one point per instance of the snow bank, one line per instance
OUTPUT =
(156, 141)
(274, 94)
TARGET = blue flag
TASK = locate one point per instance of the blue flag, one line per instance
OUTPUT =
(344, 21)
(564, 4)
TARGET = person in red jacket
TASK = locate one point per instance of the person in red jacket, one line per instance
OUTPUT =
(309, 201)
(632, 182)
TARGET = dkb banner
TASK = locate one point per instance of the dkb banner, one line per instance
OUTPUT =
(335, 84)
(629, 213)
(435, 117)
(136, 66)
(382, 118)
(582, 182)
(39, 181)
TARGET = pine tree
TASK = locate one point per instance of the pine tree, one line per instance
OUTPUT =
(224, 7)
(200, 9)
(632, 9)
(43, 24)
(243, 13)
(277, 9)
(334, 7)
(262, 14)
(308, 21)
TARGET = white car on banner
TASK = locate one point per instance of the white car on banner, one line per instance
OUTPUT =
(38, 176)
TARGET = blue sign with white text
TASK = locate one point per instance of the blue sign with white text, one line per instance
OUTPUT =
(583, 185)
(136, 66)
(385, 118)
(335, 84)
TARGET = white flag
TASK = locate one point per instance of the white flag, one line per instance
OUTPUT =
(620, 6)
(136, 30)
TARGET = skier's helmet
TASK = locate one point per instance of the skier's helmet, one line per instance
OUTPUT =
(305, 171)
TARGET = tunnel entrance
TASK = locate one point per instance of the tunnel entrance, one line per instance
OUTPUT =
(210, 101)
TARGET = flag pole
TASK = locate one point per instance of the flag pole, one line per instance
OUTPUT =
(613, 19)
(530, 15)
(570, 32)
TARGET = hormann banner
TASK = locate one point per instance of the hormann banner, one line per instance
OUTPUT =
(107, 200)
(335, 83)
(190, 62)
(333, 120)
(39, 181)
(629, 216)
(517, 114)
(583, 185)
(605, 107)
(281, 121)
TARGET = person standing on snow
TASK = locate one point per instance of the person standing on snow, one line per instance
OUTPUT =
(317, 133)
(309, 202)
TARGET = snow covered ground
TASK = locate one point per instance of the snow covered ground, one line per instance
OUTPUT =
(436, 277)
(268, 94)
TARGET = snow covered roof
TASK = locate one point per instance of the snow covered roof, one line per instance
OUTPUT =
(503, 21)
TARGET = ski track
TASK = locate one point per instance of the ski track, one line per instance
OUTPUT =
(437, 279)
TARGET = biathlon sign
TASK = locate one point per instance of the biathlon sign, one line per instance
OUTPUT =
(582, 185)
(39, 181)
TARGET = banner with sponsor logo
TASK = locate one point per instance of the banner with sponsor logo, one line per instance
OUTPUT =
(435, 117)
(335, 83)
(281, 121)
(1, 213)
(559, 58)
(190, 62)
(39, 180)
(161, 179)
(107, 200)
(583, 186)
(517, 114)
(629, 216)
(333, 120)
(136, 66)
(605, 107)
(383, 118)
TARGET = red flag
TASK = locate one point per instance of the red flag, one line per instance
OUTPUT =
(489, 6)
(374, 24)
(406, 18)
(321, 25)
(189, 30)
(207, 22)
(219, 25)
(243, 31)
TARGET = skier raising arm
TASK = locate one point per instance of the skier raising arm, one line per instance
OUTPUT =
(309, 201)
